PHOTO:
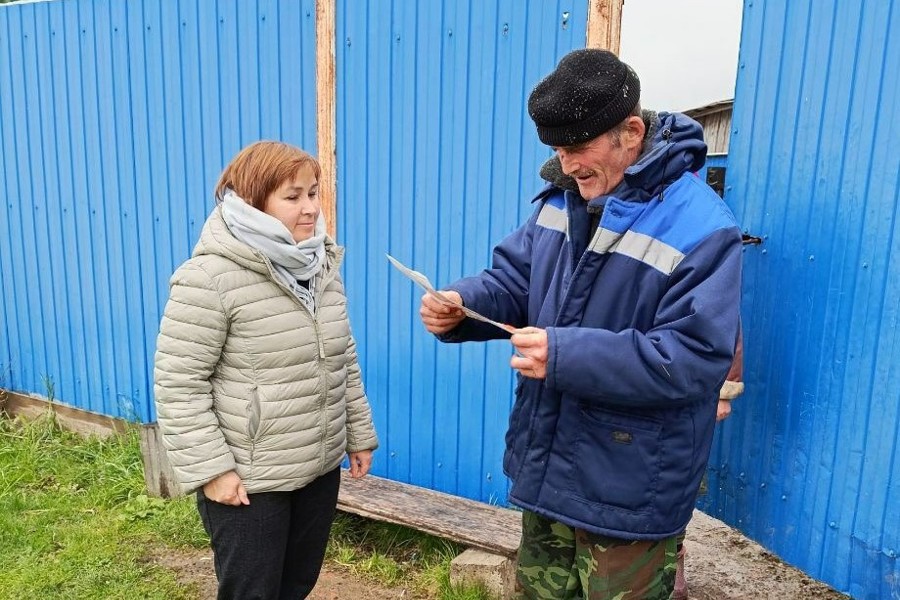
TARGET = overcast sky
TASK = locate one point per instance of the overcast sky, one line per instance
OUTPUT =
(684, 51)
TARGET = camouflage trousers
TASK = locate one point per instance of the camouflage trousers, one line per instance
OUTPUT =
(557, 562)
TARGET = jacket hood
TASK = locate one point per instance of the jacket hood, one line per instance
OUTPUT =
(216, 238)
(676, 147)
(673, 144)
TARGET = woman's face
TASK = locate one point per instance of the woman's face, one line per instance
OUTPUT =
(296, 203)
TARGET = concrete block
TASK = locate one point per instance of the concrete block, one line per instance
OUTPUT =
(496, 572)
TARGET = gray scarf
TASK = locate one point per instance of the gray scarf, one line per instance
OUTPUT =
(291, 260)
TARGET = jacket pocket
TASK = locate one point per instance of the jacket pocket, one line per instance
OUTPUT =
(617, 459)
(516, 434)
(253, 411)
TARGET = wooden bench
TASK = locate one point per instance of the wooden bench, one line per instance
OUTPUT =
(484, 526)
(490, 532)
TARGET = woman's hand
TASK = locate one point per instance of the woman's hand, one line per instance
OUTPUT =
(438, 317)
(360, 463)
(227, 488)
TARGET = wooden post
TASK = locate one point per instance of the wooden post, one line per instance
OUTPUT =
(158, 474)
(326, 101)
(604, 25)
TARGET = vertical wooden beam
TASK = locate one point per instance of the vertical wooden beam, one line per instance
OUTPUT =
(326, 102)
(158, 474)
(604, 26)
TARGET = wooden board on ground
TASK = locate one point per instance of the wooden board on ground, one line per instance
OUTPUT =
(74, 419)
(461, 520)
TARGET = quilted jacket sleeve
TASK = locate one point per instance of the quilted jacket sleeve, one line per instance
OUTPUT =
(191, 336)
(360, 429)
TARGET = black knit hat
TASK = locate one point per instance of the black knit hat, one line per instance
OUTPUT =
(590, 92)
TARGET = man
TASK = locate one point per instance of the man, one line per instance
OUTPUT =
(625, 293)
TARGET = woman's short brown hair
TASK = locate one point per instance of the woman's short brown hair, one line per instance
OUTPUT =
(261, 168)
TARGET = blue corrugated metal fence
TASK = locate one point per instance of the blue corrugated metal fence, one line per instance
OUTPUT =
(115, 121)
(808, 465)
(437, 162)
(116, 118)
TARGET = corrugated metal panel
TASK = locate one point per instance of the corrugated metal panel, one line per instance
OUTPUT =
(808, 464)
(115, 121)
(437, 160)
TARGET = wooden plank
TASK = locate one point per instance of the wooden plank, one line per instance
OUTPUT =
(158, 475)
(723, 130)
(461, 520)
(326, 99)
(74, 419)
(604, 25)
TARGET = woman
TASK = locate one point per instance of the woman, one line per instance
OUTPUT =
(258, 389)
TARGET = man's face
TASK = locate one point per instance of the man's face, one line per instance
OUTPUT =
(598, 165)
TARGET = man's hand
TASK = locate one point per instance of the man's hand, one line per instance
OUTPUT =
(227, 488)
(723, 411)
(438, 317)
(531, 352)
(360, 463)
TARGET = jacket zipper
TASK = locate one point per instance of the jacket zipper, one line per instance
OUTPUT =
(320, 343)
(323, 375)
(577, 265)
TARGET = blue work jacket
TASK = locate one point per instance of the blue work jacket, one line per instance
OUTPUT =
(642, 318)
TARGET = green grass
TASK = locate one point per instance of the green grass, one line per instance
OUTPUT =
(393, 555)
(76, 523)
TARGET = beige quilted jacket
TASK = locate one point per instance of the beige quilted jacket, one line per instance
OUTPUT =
(247, 379)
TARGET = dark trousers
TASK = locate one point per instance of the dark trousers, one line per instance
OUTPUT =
(271, 549)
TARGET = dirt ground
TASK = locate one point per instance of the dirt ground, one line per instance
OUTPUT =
(721, 564)
(335, 583)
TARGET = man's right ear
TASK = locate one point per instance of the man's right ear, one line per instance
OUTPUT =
(634, 132)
